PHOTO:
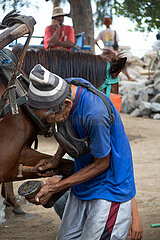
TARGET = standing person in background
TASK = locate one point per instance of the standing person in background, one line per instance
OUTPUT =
(57, 35)
(110, 39)
(108, 36)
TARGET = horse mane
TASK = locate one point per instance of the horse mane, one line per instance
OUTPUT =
(66, 64)
(71, 64)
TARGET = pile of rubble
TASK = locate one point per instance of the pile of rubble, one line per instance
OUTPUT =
(141, 98)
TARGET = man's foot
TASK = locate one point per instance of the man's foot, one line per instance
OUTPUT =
(131, 79)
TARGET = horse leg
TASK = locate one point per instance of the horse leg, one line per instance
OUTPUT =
(30, 157)
(7, 193)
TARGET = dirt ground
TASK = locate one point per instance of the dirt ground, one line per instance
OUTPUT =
(144, 135)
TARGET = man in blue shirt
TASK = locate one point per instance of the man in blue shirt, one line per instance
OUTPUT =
(102, 186)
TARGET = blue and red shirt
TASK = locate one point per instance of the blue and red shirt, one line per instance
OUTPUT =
(90, 117)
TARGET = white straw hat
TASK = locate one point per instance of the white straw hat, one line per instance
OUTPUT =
(57, 11)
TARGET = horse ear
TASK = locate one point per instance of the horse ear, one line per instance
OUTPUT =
(117, 66)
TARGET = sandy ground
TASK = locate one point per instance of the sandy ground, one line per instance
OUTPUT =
(39, 223)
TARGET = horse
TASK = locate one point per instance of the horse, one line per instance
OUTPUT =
(74, 64)
(23, 129)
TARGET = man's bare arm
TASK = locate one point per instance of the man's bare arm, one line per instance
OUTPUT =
(54, 39)
(96, 42)
(64, 44)
(97, 167)
(136, 229)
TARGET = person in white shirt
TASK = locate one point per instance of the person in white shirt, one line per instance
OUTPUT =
(109, 37)
(110, 40)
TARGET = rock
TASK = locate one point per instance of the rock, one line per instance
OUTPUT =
(156, 116)
(157, 85)
(155, 107)
(145, 108)
(143, 96)
(136, 113)
(128, 104)
(150, 81)
(157, 67)
(156, 98)
(156, 77)
(150, 89)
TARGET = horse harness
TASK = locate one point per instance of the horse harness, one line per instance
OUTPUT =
(7, 63)
(10, 20)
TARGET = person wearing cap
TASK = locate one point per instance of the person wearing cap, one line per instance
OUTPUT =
(57, 35)
(102, 186)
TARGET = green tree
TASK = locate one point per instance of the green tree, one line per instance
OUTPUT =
(14, 3)
(145, 14)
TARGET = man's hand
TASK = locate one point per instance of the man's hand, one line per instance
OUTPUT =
(45, 167)
(56, 24)
(47, 190)
(52, 180)
(135, 229)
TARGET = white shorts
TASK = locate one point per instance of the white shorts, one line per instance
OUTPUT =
(94, 220)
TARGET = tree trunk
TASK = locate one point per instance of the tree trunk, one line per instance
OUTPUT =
(81, 13)
(56, 3)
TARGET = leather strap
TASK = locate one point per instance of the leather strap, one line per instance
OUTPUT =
(98, 93)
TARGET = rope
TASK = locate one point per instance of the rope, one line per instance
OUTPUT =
(108, 82)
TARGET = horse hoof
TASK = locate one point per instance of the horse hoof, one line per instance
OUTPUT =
(18, 210)
(7, 204)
